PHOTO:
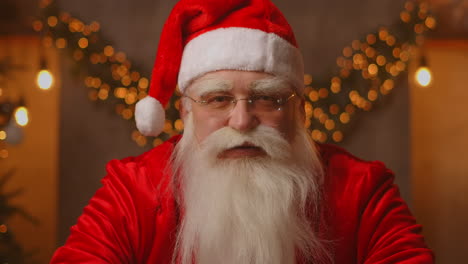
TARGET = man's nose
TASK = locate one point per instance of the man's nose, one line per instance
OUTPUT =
(242, 118)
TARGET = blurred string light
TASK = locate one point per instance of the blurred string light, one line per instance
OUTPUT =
(22, 116)
(12, 112)
(423, 74)
(366, 71)
(44, 79)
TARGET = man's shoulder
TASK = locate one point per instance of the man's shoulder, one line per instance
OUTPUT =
(156, 156)
(339, 163)
(350, 182)
(152, 164)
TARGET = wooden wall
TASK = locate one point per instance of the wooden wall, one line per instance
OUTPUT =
(439, 144)
(36, 158)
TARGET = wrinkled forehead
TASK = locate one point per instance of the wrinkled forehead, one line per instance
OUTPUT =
(267, 84)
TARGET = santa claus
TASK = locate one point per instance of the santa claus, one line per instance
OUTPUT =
(244, 184)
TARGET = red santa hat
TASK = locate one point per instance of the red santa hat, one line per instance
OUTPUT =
(202, 36)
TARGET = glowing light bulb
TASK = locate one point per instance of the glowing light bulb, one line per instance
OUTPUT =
(22, 116)
(423, 76)
(45, 79)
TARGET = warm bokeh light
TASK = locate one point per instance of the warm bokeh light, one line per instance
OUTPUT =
(356, 44)
(371, 39)
(52, 21)
(404, 55)
(141, 141)
(3, 135)
(22, 116)
(430, 22)
(131, 98)
(334, 109)
(405, 16)
(307, 79)
(143, 83)
(135, 76)
(390, 40)
(308, 109)
(344, 118)
(4, 153)
(373, 69)
(37, 25)
(45, 79)
(323, 93)
(179, 125)
(120, 92)
(95, 26)
(120, 57)
(83, 43)
(347, 52)
(157, 142)
(418, 28)
(337, 136)
(314, 96)
(383, 34)
(317, 112)
(423, 76)
(167, 126)
(323, 118)
(370, 52)
(108, 51)
(126, 80)
(381, 60)
(103, 94)
(372, 95)
(316, 134)
(61, 43)
(335, 86)
(329, 124)
(127, 114)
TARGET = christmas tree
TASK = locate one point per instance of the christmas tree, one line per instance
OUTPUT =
(10, 250)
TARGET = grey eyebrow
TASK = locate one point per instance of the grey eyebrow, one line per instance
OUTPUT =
(211, 85)
(271, 85)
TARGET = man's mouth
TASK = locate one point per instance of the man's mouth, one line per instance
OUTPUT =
(245, 150)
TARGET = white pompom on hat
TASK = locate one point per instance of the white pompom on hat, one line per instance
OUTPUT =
(202, 36)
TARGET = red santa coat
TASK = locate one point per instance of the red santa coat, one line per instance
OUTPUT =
(133, 217)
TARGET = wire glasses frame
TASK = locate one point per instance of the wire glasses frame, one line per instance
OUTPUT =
(260, 103)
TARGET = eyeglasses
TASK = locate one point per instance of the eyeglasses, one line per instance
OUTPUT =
(257, 103)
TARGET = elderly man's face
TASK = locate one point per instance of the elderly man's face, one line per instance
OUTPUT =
(242, 116)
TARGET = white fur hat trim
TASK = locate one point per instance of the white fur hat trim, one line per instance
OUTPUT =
(150, 116)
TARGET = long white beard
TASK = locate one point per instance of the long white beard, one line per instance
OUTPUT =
(246, 210)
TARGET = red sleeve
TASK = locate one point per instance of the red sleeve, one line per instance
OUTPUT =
(387, 232)
(107, 231)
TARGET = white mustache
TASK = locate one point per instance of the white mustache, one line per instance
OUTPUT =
(267, 138)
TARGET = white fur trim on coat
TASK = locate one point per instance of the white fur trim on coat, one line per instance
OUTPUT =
(237, 48)
(149, 116)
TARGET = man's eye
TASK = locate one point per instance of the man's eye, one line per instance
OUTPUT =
(218, 99)
(266, 98)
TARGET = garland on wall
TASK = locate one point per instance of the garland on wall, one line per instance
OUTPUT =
(366, 72)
